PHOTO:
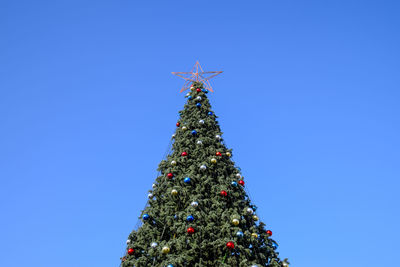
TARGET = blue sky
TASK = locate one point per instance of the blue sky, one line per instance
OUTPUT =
(309, 102)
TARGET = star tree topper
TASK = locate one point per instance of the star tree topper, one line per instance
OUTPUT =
(197, 75)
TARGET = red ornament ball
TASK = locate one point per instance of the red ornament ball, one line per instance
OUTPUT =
(269, 232)
(230, 245)
(218, 154)
(178, 124)
(223, 193)
(131, 251)
(184, 154)
(170, 175)
(190, 230)
(198, 90)
(241, 182)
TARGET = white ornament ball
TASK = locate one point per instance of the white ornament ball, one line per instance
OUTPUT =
(218, 137)
(254, 265)
(203, 167)
(194, 204)
(184, 128)
(154, 244)
(188, 94)
(154, 185)
(198, 98)
(238, 175)
(128, 241)
(199, 142)
(150, 195)
(174, 192)
(249, 210)
(173, 163)
(173, 136)
(201, 121)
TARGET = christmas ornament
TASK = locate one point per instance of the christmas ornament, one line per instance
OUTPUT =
(203, 167)
(238, 175)
(213, 161)
(173, 163)
(145, 217)
(274, 245)
(285, 264)
(201, 121)
(173, 136)
(189, 97)
(198, 105)
(131, 251)
(223, 193)
(210, 113)
(218, 137)
(154, 185)
(255, 235)
(186, 180)
(249, 211)
(194, 132)
(198, 90)
(184, 154)
(174, 192)
(184, 128)
(198, 98)
(150, 195)
(194, 204)
(176, 217)
(234, 184)
(190, 230)
(165, 250)
(178, 124)
(170, 175)
(269, 232)
(228, 154)
(197, 75)
(255, 218)
(241, 182)
(199, 142)
(170, 265)
(128, 241)
(239, 234)
(235, 222)
(204, 90)
(218, 154)
(230, 245)
(254, 265)
(154, 244)
(188, 94)
(190, 218)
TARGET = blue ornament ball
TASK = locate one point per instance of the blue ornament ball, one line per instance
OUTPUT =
(274, 245)
(198, 104)
(170, 265)
(189, 97)
(194, 132)
(210, 113)
(234, 184)
(146, 217)
(176, 217)
(190, 218)
(239, 234)
(187, 180)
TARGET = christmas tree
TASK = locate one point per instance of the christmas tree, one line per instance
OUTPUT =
(198, 212)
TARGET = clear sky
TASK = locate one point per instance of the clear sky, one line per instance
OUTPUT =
(309, 102)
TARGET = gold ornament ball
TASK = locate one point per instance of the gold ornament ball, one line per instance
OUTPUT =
(166, 250)
(184, 128)
(228, 154)
(254, 235)
(255, 218)
(173, 163)
(174, 192)
(235, 222)
(213, 161)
